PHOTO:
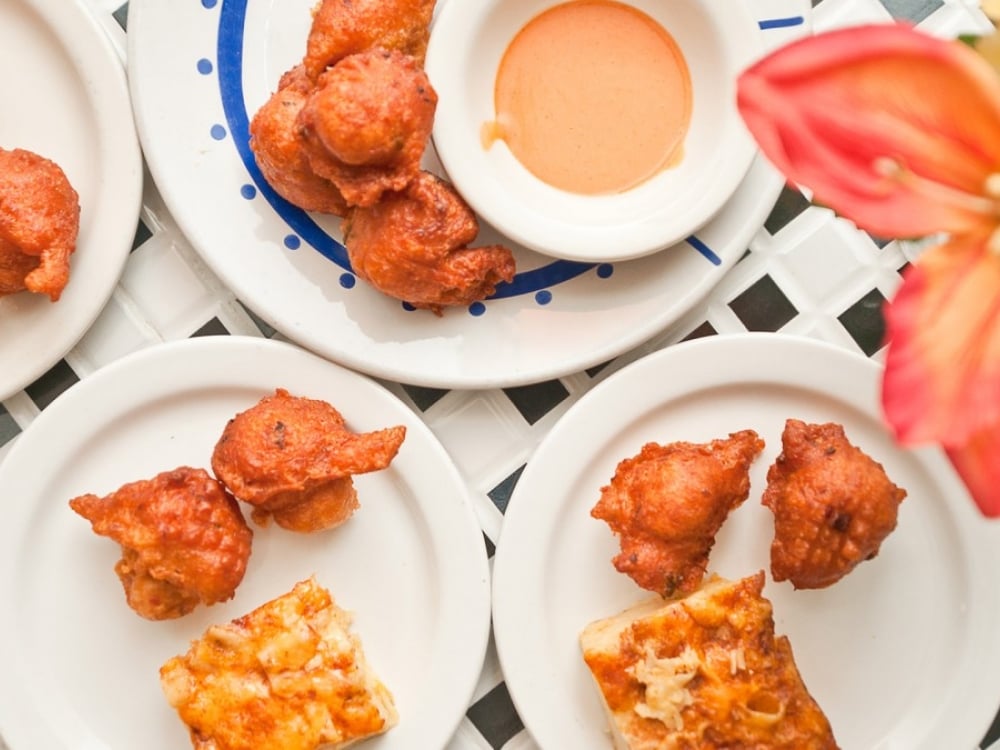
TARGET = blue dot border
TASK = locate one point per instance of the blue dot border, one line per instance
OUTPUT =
(229, 56)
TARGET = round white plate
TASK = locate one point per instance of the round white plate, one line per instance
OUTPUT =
(80, 669)
(199, 70)
(900, 654)
(66, 98)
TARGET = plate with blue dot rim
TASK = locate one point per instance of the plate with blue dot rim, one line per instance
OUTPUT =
(200, 69)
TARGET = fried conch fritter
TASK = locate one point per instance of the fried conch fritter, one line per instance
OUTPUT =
(279, 148)
(667, 503)
(413, 246)
(292, 458)
(367, 122)
(290, 675)
(184, 541)
(833, 505)
(39, 224)
(346, 27)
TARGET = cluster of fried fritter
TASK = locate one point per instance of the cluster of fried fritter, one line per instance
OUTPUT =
(833, 506)
(184, 540)
(345, 133)
(39, 224)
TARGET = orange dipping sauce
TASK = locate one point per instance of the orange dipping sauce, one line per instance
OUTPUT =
(593, 97)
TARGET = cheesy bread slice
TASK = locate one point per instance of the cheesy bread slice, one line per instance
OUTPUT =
(701, 673)
(287, 676)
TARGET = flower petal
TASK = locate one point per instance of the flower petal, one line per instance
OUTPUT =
(942, 376)
(836, 111)
(977, 464)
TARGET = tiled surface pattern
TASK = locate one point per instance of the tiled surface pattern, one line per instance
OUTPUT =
(805, 273)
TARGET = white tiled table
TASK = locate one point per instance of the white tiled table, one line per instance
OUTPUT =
(806, 273)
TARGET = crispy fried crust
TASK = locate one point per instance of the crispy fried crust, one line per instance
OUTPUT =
(279, 148)
(287, 676)
(703, 673)
(184, 541)
(39, 224)
(366, 124)
(293, 458)
(345, 27)
(667, 503)
(833, 505)
(413, 246)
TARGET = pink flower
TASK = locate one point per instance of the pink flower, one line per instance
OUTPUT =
(900, 132)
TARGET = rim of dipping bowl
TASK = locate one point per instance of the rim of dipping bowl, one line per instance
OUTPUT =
(718, 39)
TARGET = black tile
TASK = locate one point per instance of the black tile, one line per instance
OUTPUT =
(262, 325)
(142, 233)
(993, 734)
(490, 547)
(535, 401)
(213, 327)
(500, 495)
(45, 390)
(790, 204)
(121, 16)
(424, 398)
(705, 329)
(912, 10)
(865, 322)
(881, 242)
(495, 718)
(593, 371)
(763, 307)
(8, 427)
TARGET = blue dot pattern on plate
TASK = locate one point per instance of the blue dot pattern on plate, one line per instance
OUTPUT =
(229, 60)
(477, 308)
(348, 280)
(249, 192)
(604, 270)
(543, 297)
(205, 66)
(292, 242)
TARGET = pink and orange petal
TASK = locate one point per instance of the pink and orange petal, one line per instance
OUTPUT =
(977, 464)
(942, 377)
(836, 111)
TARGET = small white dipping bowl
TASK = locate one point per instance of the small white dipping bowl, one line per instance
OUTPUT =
(718, 39)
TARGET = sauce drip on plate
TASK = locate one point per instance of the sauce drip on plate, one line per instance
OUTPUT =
(592, 97)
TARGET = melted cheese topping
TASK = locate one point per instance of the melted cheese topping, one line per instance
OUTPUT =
(666, 686)
(730, 682)
(288, 676)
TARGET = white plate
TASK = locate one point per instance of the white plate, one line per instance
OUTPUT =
(901, 654)
(66, 98)
(555, 318)
(80, 669)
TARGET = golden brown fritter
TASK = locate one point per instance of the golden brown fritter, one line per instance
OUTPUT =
(705, 672)
(292, 458)
(346, 27)
(667, 503)
(279, 148)
(833, 505)
(289, 675)
(183, 538)
(414, 246)
(39, 224)
(367, 123)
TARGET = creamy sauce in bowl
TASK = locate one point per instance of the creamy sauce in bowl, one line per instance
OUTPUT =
(592, 97)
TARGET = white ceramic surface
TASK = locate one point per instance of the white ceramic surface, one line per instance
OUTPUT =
(899, 654)
(718, 39)
(81, 668)
(199, 70)
(65, 97)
